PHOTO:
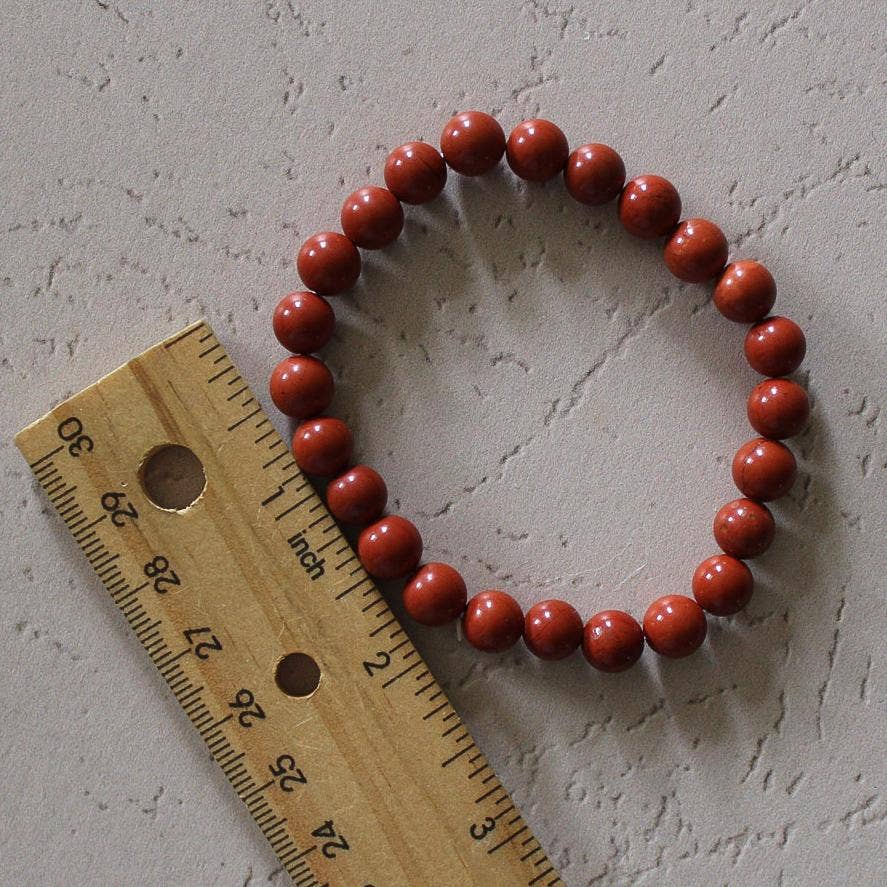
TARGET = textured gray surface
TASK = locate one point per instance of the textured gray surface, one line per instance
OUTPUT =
(556, 414)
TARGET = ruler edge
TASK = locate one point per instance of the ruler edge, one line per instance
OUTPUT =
(20, 438)
(24, 433)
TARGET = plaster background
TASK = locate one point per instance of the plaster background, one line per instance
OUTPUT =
(555, 412)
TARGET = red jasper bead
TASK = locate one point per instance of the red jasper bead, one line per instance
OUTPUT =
(301, 386)
(764, 469)
(371, 217)
(775, 347)
(435, 595)
(322, 446)
(537, 150)
(697, 251)
(328, 263)
(722, 585)
(595, 174)
(552, 629)
(472, 143)
(675, 626)
(415, 173)
(390, 548)
(612, 641)
(358, 496)
(778, 408)
(649, 207)
(493, 621)
(744, 528)
(745, 292)
(303, 322)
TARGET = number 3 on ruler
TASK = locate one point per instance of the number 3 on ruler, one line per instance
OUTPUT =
(71, 432)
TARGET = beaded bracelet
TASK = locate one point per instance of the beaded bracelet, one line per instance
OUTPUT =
(695, 250)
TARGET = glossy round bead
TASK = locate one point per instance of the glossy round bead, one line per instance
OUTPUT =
(764, 469)
(323, 446)
(649, 207)
(696, 251)
(775, 347)
(301, 386)
(744, 528)
(745, 292)
(435, 595)
(778, 408)
(537, 150)
(594, 174)
(722, 585)
(675, 626)
(371, 217)
(328, 263)
(493, 621)
(303, 322)
(472, 143)
(415, 173)
(552, 629)
(358, 496)
(612, 641)
(390, 548)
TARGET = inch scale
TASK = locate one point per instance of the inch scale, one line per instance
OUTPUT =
(276, 643)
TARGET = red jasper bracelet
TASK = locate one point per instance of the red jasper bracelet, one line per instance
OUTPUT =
(695, 250)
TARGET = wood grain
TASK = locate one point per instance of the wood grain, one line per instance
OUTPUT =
(395, 790)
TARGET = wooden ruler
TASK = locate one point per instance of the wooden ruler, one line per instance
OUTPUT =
(372, 780)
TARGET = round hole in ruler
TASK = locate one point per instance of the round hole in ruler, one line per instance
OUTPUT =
(297, 674)
(172, 477)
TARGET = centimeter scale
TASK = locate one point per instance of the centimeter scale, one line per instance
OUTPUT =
(276, 643)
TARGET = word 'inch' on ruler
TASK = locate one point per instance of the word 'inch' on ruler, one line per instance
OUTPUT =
(369, 778)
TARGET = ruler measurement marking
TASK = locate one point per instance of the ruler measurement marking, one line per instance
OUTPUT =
(243, 419)
(46, 456)
(400, 674)
(64, 505)
(89, 526)
(169, 344)
(351, 588)
(453, 758)
(219, 374)
(507, 840)
(508, 809)
(259, 789)
(66, 510)
(319, 520)
(275, 459)
(101, 567)
(298, 504)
